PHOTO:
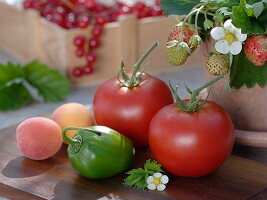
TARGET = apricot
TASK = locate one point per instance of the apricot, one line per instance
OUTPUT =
(38, 138)
(72, 114)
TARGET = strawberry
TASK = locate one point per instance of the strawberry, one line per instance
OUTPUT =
(175, 33)
(218, 64)
(177, 52)
(255, 49)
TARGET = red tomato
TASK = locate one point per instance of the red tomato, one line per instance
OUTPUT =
(191, 144)
(129, 111)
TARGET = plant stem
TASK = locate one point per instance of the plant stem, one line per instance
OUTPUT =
(139, 62)
(66, 138)
(196, 18)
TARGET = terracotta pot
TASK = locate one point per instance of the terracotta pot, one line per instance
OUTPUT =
(246, 106)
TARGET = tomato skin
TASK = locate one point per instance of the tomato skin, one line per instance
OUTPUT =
(191, 144)
(129, 111)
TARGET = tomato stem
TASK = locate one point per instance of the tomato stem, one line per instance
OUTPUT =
(134, 80)
(193, 104)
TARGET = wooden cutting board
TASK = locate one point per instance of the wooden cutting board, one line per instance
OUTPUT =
(54, 178)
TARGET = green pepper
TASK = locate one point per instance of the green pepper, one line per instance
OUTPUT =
(98, 151)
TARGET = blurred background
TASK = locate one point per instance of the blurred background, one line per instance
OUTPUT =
(84, 40)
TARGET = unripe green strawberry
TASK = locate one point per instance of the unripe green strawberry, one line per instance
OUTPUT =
(177, 52)
(255, 49)
(218, 64)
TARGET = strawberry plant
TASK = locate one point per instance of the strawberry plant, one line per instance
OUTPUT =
(234, 30)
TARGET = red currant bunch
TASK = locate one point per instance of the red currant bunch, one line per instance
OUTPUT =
(88, 13)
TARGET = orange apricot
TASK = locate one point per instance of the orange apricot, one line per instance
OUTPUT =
(72, 114)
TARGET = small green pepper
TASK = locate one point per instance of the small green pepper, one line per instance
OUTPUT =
(98, 151)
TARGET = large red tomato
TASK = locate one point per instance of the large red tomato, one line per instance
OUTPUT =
(130, 110)
(191, 144)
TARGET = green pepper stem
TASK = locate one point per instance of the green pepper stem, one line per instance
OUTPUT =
(66, 138)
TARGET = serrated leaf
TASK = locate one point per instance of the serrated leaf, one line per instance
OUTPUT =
(243, 72)
(258, 8)
(225, 11)
(10, 72)
(241, 19)
(14, 97)
(138, 177)
(177, 7)
(153, 166)
(221, 3)
(51, 85)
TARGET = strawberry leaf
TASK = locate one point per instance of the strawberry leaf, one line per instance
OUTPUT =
(138, 177)
(14, 96)
(10, 72)
(51, 85)
(177, 7)
(243, 72)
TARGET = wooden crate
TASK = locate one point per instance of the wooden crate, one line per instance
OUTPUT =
(27, 36)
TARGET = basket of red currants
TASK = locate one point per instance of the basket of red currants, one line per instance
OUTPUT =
(85, 38)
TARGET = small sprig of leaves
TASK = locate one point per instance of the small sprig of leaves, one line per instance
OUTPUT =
(138, 177)
(15, 80)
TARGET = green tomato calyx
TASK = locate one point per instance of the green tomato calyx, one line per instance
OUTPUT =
(135, 78)
(194, 103)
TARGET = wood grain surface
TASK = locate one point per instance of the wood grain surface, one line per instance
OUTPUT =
(54, 178)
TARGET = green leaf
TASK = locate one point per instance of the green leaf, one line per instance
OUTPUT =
(51, 85)
(241, 19)
(177, 7)
(14, 97)
(225, 11)
(258, 8)
(13, 94)
(221, 3)
(10, 72)
(243, 72)
(153, 166)
(138, 177)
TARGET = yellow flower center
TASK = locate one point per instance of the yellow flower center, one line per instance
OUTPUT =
(230, 37)
(156, 181)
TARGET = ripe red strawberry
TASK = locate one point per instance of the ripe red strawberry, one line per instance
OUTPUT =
(255, 49)
(175, 33)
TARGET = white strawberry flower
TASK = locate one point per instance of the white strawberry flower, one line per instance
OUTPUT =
(229, 38)
(157, 181)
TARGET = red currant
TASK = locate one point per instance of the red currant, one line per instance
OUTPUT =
(77, 72)
(101, 20)
(97, 31)
(88, 69)
(79, 52)
(79, 41)
(94, 43)
(140, 6)
(156, 11)
(27, 4)
(91, 58)
(83, 20)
